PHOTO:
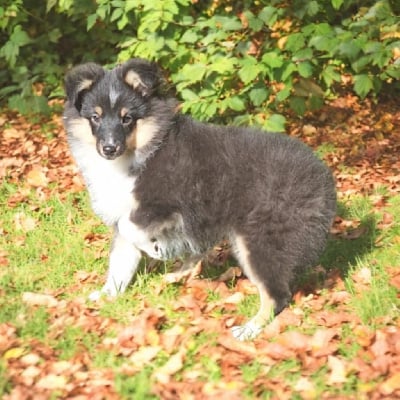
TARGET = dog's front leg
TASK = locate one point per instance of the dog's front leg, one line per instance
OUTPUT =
(124, 260)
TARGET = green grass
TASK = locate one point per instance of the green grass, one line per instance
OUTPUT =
(46, 259)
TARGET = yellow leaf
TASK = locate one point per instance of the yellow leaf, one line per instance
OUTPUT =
(15, 352)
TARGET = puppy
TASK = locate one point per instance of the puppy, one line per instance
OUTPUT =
(171, 186)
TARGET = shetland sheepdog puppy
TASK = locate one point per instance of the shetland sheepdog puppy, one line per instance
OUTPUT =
(171, 186)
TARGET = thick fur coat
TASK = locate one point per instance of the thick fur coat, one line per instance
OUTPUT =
(172, 186)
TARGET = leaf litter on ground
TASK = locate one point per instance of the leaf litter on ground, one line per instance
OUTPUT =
(193, 355)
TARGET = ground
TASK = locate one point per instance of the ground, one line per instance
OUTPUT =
(168, 336)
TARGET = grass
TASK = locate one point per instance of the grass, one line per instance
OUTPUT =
(47, 257)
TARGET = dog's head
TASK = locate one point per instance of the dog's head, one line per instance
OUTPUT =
(112, 108)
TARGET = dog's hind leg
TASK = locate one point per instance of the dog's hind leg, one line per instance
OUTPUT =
(124, 260)
(272, 301)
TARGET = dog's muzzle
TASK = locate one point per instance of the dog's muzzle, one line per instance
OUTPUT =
(110, 150)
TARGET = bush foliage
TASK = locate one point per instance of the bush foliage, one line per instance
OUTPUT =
(239, 61)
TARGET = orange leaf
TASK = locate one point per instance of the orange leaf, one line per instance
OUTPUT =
(36, 177)
(390, 385)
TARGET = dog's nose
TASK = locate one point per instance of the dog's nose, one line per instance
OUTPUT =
(109, 150)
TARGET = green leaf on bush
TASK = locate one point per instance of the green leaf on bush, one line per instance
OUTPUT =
(275, 123)
(330, 75)
(269, 15)
(255, 23)
(305, 69)
(363, 84)
(298, 105)
(250, 69)
(272, 59)
(228, 23)
(336, 4)
(236, 103)
(189, 36)
(258, 95)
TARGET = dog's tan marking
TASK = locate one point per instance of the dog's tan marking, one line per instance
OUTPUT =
(123, 112)
(266, 311)
(80, 129)
(85, 84)
(142, 134)
(132, 78)
(98, 110)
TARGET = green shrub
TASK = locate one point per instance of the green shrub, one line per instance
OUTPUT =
(245, 62)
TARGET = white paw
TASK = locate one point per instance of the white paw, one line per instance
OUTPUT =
(98, 294)
(247, 331)
(95, 296)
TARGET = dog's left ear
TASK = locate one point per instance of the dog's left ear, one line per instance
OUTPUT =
(141, 75)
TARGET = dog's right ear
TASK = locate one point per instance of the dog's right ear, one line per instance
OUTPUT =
(79, 80)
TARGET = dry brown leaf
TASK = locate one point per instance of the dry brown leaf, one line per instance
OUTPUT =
(338, 370)
(230, 343)
(37, 177)
(30, 359)
(363, 276)
(52, 382)
(144, 355)
(184, 275)
(171, 367)
(23, 222)
(390, 385)
(230, 274)
(380, 346)
(29, 374)
(235, 298)
(306, 388)
(295, 340)
(39, 299)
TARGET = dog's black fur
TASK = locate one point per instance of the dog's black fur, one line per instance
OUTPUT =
(171, 185)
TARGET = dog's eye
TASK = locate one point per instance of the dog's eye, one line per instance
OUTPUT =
(95, 118)
(127, 120)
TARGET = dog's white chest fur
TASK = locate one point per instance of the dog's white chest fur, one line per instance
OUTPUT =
(109, 184)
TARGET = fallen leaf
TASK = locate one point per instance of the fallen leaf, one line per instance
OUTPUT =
(15, 352)
(171, 367)
(29, 374)
(30, 359)
(306, 387)
(23, 222)
(36, 177)
(52, 382)
(144, 355)
(380, 346)
(390, 385)
(235, 298)
(39, 299)
(338, 370)
(230, 274)
(363, 276)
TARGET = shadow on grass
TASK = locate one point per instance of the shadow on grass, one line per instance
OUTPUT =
(341, 253)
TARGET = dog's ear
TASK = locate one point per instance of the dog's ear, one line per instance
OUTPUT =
(79, 80)
(141, 75)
